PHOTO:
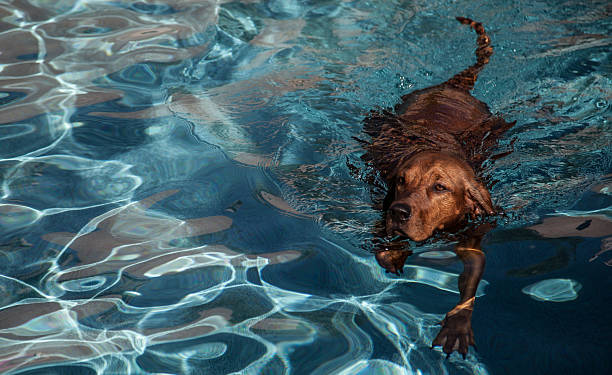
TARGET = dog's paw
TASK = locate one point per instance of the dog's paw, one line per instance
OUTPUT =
(456, 333)
(392, 260)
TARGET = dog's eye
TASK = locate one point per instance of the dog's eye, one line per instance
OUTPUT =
(440, 187)
(401, 180)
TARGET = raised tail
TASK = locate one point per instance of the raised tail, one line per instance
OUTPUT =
(467, 78)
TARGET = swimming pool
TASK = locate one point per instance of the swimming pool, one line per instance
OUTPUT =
(177, 196)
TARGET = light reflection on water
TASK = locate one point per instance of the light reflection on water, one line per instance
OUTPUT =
(176, 196)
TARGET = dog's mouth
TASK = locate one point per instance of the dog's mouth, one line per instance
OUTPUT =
(401, 229)
(393, 232)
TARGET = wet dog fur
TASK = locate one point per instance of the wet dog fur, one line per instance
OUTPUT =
(430, 151)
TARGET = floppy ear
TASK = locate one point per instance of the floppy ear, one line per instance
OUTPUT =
(389, 197)
(478, 199)
(390, 177)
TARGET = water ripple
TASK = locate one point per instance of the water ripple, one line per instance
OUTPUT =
(62, 182)
(181, 191)
(553, 290)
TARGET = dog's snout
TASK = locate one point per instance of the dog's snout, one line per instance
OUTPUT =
(400, 212)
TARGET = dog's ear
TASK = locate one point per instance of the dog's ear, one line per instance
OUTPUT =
(389, 197)
(390, 179)
(478, 199)
(390, 193)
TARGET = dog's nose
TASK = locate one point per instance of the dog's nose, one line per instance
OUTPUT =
(400, 211)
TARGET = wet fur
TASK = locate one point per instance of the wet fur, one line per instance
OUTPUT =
(430, 151)
(438, 132)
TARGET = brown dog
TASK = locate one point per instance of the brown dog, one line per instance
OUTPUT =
(429, 151)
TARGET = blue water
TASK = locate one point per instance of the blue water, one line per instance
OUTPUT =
(176, 198)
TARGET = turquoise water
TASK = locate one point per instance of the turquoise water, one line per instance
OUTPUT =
(176, 197)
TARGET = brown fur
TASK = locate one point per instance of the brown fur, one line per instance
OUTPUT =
(430, 151)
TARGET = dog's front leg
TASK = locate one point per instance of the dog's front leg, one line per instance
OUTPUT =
(456, 333)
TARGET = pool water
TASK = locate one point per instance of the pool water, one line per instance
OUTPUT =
(178, 193)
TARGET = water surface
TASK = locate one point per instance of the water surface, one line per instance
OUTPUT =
(176, 194)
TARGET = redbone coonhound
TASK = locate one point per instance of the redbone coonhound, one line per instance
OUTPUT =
(430, 150)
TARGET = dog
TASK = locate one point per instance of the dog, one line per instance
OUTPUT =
(429, 150)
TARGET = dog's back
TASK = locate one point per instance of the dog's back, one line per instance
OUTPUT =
(445, 117)
(442, 108)
(430, 150)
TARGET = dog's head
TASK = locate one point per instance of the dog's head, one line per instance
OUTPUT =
(433, 191)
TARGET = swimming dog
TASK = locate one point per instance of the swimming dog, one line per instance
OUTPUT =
(430, 151)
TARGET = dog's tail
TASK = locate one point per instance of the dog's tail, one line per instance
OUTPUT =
(467, 78)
